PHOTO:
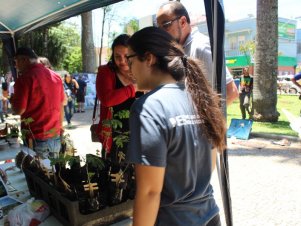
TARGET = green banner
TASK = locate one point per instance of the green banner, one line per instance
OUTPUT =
(243, 61)
(286, 30)
(287, 61)
(238, 61)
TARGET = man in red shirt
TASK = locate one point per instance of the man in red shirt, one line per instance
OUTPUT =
(38, 98)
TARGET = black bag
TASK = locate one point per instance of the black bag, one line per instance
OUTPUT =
(94, 127)
(94, 134)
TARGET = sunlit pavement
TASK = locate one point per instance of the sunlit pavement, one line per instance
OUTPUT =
(265, 182)
(80, 133)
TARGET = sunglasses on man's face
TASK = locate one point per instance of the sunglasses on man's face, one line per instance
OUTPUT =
(167, 24)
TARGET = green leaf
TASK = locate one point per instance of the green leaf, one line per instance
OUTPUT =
(95, 161)
(52, 132)
(27, 121)
(62, 160)
(24, 133)
(90, 175)
(73, 160)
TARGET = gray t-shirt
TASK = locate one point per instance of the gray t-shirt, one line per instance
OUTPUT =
(164, 132)
(197, 45)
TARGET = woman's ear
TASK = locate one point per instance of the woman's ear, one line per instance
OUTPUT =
(150, 59)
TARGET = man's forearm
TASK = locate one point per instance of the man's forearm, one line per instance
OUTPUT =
(296, 83)
(16, 110)
(62, 115)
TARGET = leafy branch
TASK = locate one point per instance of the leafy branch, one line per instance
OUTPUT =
(116, 124)
(26, 132)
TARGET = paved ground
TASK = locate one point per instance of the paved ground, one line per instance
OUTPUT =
(265, 181)
(265, 178)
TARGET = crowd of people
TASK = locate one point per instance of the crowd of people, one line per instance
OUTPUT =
(161, 76)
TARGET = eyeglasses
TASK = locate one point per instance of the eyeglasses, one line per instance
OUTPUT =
(128, 59)
(167, 24)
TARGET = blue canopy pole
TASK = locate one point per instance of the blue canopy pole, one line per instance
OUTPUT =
(216, 27)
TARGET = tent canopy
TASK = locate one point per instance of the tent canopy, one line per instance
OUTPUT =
(20, 16)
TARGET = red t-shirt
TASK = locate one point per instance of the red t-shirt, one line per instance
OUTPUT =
(40, 92)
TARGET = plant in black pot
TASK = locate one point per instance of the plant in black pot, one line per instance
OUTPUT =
(94, 187)
(61, 172)
(120, 173)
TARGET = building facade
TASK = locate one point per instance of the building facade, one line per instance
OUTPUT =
(242, 33)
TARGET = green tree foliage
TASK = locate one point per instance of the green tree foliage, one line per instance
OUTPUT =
(73, 61)
(60, 43)
(131, 27)
(248, 49)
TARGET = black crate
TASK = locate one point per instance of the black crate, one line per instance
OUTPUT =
(67, 212)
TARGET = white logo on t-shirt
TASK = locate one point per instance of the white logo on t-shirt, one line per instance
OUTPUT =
(182, 120)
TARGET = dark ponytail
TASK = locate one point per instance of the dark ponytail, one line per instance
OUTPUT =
(171, 59)
(207, 103)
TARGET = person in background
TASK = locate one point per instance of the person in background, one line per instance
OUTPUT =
(11, 87)
(173, 18)
(81, 93)
(116, 90)
(174, 128)
(5, 95)
(245, 91)
(38, 98)
(295, 80)
(70, 87)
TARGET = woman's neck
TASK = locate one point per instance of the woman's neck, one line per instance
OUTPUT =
(162, 79)
(123, 73)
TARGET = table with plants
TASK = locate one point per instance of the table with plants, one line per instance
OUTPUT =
(89, 190)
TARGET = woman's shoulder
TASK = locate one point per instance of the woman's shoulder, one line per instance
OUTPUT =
(105, 69)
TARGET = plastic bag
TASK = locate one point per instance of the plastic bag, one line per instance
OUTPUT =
(30, 213)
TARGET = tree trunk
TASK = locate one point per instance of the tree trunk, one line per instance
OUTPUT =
(102, 32)
(45, 42)
(88, 50)
(266, 62)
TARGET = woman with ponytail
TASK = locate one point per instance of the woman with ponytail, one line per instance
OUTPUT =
(173, 129)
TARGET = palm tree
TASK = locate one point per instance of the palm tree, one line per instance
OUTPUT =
(266, 62)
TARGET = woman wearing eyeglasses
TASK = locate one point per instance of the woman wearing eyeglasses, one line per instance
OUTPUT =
(116, 91)
(173, 130)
